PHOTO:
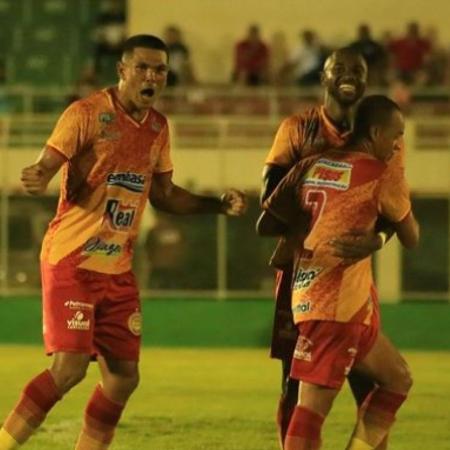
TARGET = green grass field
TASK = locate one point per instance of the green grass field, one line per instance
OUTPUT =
(203, 399)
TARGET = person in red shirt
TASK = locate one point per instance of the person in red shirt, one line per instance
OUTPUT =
(251, 59)
(409, 53)
(333, 300)
(114, 151)
(300, 136)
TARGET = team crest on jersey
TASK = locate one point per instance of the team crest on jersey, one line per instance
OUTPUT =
(132, 181)
(155, 126)
(330, 174)
(118, 216)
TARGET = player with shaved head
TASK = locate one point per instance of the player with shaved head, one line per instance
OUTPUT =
(344, 79)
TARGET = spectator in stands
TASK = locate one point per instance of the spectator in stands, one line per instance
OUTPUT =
(306, 61)
(110, 33)
(374, 53)
(85, 85)
(409, 53)
(437, 65)
(279, 55)
(251, 59)
(181, 71)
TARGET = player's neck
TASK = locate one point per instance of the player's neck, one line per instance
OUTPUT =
(339, 116)
(128, 106)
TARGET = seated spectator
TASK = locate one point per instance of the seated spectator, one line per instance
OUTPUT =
(306, 61)
(374, 53)
(85, 85)
(251, 59)
(409, 53)
(181, 71)
(437, 64)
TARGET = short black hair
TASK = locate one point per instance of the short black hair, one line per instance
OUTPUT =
(144, 40)
(371, 111)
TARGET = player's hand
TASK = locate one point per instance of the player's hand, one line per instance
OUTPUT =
(234, 202)
(356, 245)
(33, 179)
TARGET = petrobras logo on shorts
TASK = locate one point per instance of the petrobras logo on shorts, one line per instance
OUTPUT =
(304, 277)
(96, 246)
(331, 174)
(303, 349)
(118, 216)
(79, 306)
(78, 322)
(132, 181)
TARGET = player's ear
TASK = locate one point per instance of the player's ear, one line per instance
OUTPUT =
(120, 70)
(374, 132)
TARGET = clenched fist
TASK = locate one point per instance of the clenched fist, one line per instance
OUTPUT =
(234, 202)
(34, 180)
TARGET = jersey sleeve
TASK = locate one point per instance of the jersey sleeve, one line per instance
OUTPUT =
(72, 131)
(287, 139)
(164, 162)
(394, 201)
(284, 202)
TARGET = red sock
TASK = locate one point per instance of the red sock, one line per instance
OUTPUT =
(304, 430)
(378, 417)
(284, 414)
(100, 421)
(37, 399)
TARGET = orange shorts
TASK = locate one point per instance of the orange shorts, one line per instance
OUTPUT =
(90, 312)
(326, 351)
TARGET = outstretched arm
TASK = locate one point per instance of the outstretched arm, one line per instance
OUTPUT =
(35, 178)
(408, 231)
(168, 197)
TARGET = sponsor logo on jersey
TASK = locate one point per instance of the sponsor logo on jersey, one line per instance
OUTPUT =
(331, 174)
(97, 246)
(132, 181)
(78, 322)
(302, 308)
(304, 277)
(75, 304)
(303, 349)
(118, 216)
(135, 323)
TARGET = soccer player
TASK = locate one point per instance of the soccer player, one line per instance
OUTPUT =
(299, 136)
(333, 300)
(114, 151)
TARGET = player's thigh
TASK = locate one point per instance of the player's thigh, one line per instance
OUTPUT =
(385, 365)
(69, 368)
(316, 398)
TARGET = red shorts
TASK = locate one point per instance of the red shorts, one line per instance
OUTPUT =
(284, 332)
(90, 312)
(326, 351)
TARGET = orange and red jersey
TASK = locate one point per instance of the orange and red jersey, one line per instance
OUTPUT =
(344, 192)
(106, 180)
(311, 133)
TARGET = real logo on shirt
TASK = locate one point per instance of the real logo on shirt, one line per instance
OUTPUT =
(131, 181)
(118, 216)
(330, 174)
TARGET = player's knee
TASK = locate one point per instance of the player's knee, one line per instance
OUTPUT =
(67, 378)
(403, 380)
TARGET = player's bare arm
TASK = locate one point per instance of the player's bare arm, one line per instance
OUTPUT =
(408, 231)
(35, 178)
(168, 197)
(269, 225)
(271, 177)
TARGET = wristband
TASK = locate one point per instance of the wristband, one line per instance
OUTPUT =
(383, 237)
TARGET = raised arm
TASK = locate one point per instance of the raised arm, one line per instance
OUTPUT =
(168, 197)
(35, 178)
